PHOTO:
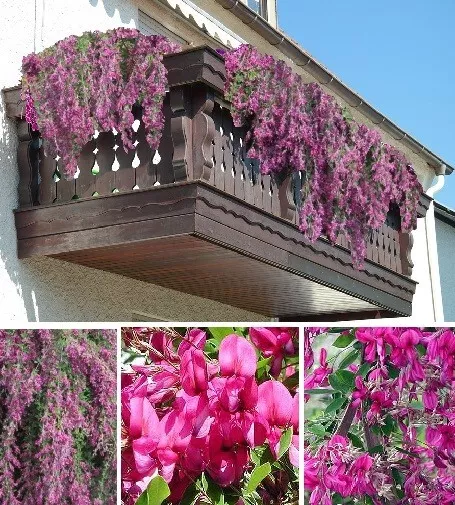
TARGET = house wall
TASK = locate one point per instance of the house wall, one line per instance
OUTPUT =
(445, 238)
(46, 289)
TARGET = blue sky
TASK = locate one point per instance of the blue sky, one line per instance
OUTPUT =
(397, 54)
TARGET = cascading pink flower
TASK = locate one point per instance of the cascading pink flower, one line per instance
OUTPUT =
(275, 404)
(273, 342)
(319, 376)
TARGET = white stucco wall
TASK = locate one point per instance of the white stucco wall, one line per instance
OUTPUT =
(445, 237)
(423, 309)
(45, 289)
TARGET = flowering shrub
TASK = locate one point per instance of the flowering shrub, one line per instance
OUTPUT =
(57, 417)
(380, 417)
(350, 179)
(210, 416)
(88, 83)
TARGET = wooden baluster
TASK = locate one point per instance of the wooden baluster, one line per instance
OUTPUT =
(218, 175)
(105, 180)
(180, 132)
(375, 246)
(85, 183)
(228, 160)
(258, 190)
(266, 194)
(250, 176)
(387, 246)
(406, 243)
(125, 176)
(397, 259)
(286, 199)
(238, 166)
(28, 161)
(203, 132)
(145, 173)
(48, 186)
(66, 188)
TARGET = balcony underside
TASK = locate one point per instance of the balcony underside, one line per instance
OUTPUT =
(194, 238)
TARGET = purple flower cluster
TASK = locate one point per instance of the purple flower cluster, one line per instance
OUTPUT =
(393, 438)
(91, 82)
(349, 177)
(57, 417)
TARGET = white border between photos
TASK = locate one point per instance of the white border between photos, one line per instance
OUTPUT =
(373, 323)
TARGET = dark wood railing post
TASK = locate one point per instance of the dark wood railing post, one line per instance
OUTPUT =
(203, 101)
(406, 242)
(181, 132)
(28, 163)
(286, 195)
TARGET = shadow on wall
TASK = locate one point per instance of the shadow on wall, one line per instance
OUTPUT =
(12, 293)
(110, 6)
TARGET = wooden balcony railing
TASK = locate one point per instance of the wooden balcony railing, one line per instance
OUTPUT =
(199, 143)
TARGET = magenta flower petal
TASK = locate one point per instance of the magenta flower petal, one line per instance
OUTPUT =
(275, 403)
(237, 357)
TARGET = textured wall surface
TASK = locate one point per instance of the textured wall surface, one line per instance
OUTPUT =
(422, 304)
(445, 237)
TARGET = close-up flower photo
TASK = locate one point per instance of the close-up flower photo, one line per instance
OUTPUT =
(58, 417)
(210, 416)
(379, 416)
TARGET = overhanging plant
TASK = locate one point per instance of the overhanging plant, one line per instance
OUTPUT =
(350, 178)
(58, 417)
(90, 83)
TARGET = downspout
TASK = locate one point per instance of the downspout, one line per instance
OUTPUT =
(432, 248)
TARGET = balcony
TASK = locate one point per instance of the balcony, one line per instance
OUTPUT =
(197, 215)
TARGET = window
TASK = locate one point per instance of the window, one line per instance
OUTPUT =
(148, 26)
(259, 6)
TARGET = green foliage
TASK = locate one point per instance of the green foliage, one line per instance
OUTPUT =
(344, 340)
(155, 494)
(257, 476)
(352, 356)
(342, 380)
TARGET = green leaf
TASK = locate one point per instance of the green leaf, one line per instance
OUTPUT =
(285, 441)
(347, 114)
(356, 441)
(397, 476)
(261, 455)
(337, 499)
(364, 369)
(403, 451)
(317, 429)
(393, 372)
(321, 391)
(292, 381)
(343, 340)
(421, 349)
(349, 359)
(377, 449)
(388, 426)
(416, 404)
(219, 333)
(257, 476)
(342, 380)
(214, 492)
(157, 491)
(335, 405)
(190, 496)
